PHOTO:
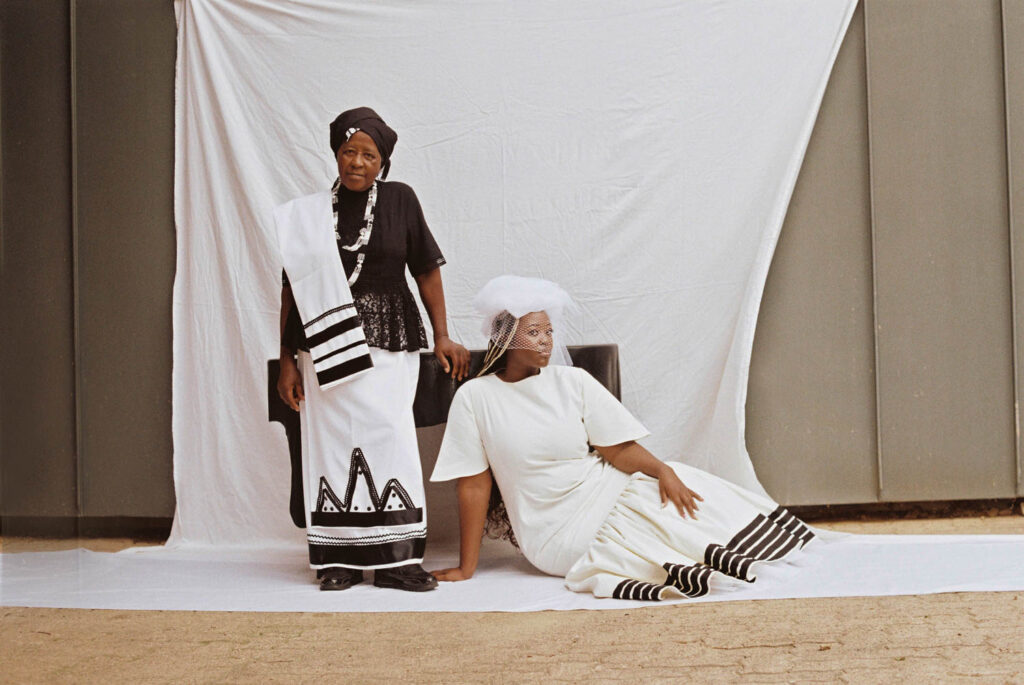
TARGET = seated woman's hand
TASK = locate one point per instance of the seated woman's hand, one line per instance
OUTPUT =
(452, 575)
(289, 383)
(673, 490)
(454, 357)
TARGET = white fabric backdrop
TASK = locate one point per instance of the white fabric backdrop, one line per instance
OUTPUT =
(641, 154)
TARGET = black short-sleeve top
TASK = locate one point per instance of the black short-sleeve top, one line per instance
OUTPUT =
(400, 238)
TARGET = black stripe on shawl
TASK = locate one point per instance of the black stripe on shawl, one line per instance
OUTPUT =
(329, 312)
(333, 331)
(339, 350)
(345, 369)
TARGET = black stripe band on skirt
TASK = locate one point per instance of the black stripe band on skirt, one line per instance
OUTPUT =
(368, 555)
(635, 589)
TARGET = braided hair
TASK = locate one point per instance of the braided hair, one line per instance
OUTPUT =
(497, 525)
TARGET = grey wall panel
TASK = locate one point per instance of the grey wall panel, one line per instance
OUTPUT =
(124, 108)
(938, 172)
(938, 119)
(1013, 72)
(37, 415)
(811, 428)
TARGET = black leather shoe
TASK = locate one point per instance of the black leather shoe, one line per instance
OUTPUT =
(336, 578)
(410, 577)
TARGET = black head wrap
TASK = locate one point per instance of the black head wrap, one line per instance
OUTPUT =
(370, 123)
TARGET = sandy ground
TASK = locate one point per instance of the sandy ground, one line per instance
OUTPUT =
(976, 637)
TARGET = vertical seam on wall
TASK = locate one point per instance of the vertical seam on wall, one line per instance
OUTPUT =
(1019, 475)
(3, 321)
(874, 282)
(2, 262)
(75, 290)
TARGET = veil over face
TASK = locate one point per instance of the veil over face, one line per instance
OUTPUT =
(507, 302)
(533, 340)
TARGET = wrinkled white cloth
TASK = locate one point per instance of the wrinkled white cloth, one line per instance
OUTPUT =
(650, 180)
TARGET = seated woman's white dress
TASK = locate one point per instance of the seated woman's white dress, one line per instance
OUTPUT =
(575, 515)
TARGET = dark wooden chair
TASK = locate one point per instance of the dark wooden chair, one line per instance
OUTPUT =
(434, 395)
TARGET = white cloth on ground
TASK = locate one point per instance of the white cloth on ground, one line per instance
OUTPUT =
(534, 435)
(195, 578)
(309, 254)
(645, 550)
(354, 438)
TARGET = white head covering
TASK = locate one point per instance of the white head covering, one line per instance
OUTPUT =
(506, 299)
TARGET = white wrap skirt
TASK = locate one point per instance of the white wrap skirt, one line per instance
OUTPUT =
(365, 504)
(648, 551)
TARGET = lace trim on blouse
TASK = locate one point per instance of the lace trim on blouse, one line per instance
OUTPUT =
(391, 320)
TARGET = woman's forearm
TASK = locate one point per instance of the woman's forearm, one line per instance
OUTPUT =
(432, 294)
(287, 302)
(474, 493)
(631, 457)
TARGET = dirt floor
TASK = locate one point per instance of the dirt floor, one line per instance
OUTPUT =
(976, 637)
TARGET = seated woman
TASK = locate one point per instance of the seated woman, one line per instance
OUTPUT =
(584, 500)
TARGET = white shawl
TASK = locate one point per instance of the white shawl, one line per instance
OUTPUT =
(309, 253)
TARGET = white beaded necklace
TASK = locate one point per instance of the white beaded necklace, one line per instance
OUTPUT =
(364, 233)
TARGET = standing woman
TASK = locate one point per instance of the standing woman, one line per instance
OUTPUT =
(361, 466)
